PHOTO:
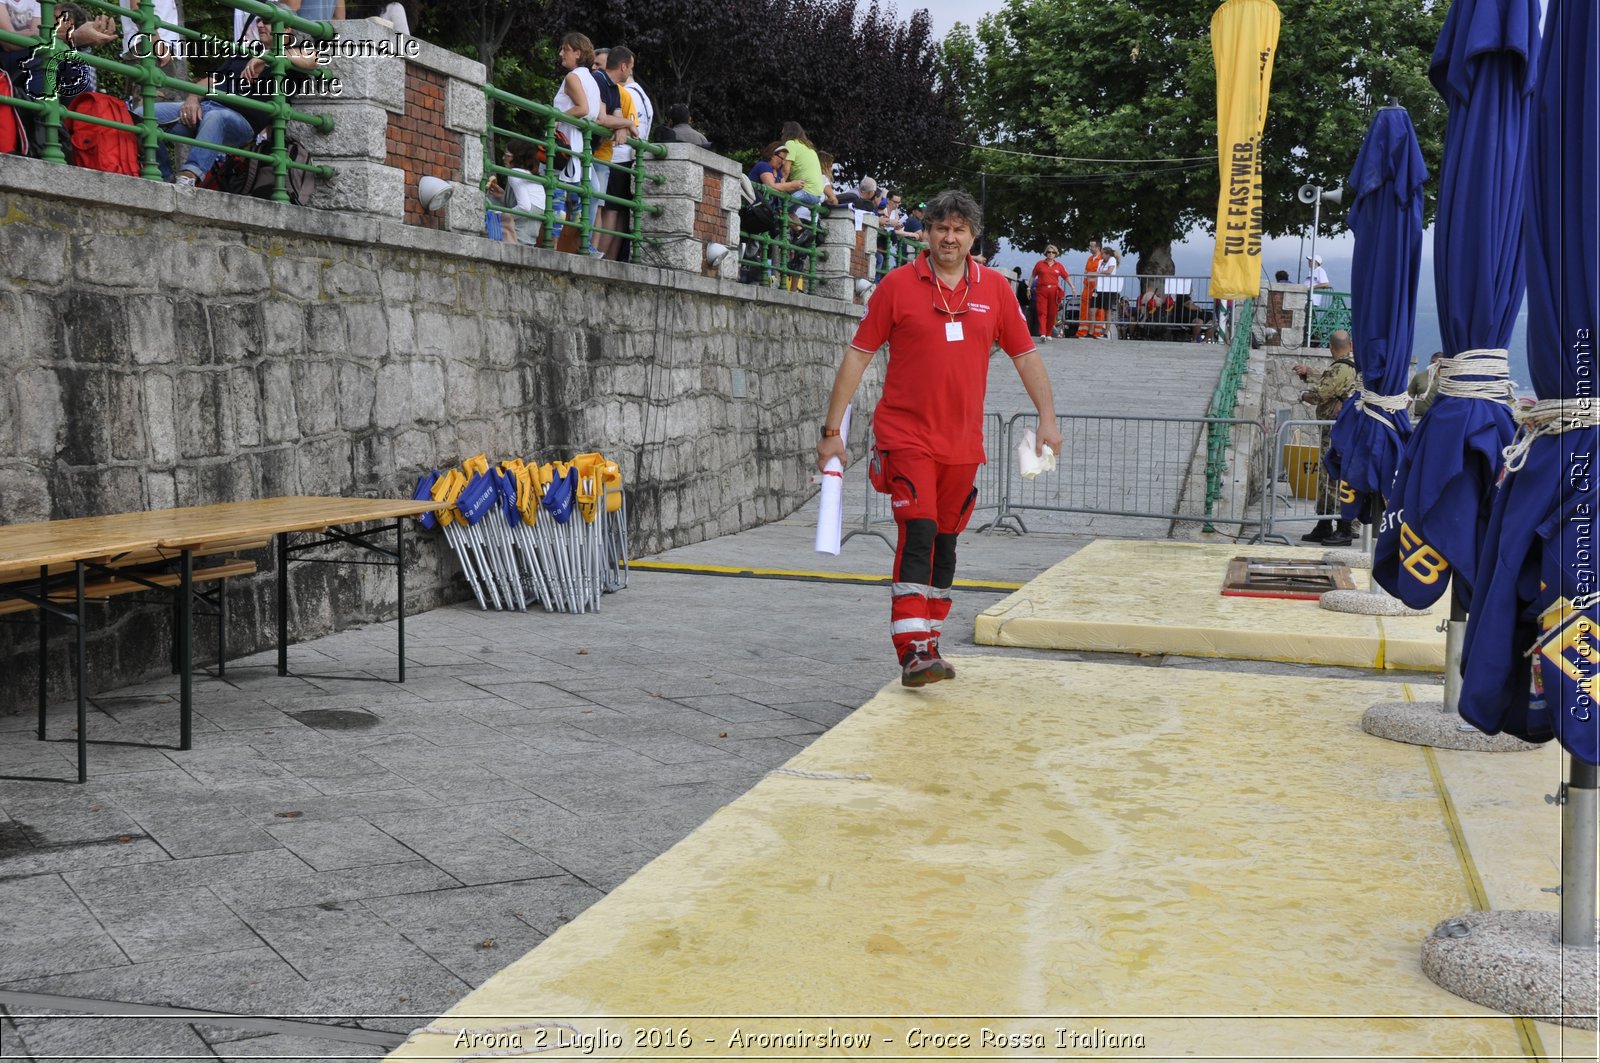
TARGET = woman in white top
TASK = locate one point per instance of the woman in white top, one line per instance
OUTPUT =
(1108, 293)
(524, 194)
(578, 97)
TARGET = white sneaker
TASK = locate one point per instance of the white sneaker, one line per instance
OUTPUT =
(185, 180)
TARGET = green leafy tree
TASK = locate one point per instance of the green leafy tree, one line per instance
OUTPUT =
(1114, 104)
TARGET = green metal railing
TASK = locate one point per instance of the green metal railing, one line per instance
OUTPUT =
(149, 78)
(895, 250)
(1326, 320)
(1225, 398)
(789, 257)
(544, 118)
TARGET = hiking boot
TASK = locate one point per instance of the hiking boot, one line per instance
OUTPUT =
(943, 665)
(918, 669)
(1341, 535)
(1320, 533)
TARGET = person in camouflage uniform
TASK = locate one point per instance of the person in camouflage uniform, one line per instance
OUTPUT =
(1337, 383)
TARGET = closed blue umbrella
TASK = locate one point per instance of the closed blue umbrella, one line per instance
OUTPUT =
(1533, 642)
(1386, 217)
(1484, 67)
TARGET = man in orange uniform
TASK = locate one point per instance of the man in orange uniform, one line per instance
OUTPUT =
(1089, 270)
(1048, 274)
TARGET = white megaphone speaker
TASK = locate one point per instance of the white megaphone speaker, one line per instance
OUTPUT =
(1335, 196)
(434, 193)
(1308, 194)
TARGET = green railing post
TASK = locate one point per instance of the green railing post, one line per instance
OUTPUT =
(1224, 400)
(547, 118)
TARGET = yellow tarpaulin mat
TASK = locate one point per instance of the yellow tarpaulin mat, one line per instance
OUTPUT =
(1045, 859)
(1164, 597)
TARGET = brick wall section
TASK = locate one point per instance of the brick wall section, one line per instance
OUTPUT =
(709, 221)
(419, 143)
(859, 258)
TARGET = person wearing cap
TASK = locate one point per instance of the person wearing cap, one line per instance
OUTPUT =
(1048, 275)
(941, 316)
(910, 226)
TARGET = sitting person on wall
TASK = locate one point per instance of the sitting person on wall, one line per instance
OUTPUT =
(1202, 322)
(804, 165)
(767, 174)
(73, 77)
(211, 119)
(521, 192)
(863, 197)
(825, 161)
(683, 130)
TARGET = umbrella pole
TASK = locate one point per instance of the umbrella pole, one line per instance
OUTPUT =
(1578, 806)
(1455, 634)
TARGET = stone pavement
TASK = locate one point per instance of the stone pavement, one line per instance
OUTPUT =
(339, 849)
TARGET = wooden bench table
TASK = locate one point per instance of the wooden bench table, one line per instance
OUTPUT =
(46, 565)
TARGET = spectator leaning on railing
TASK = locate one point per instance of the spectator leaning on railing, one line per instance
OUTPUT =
(619, 65)
(211, 119)
(576, 96)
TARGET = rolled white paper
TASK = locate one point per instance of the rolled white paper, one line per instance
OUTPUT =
(830, 508)
(1029, 462)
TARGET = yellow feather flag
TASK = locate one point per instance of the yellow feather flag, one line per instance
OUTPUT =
(1244, 38)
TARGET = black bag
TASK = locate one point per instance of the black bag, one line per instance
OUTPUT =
(758, 219)
(261, 180)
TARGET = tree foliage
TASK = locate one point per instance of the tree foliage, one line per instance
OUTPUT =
(1134, 80)
(864, 84)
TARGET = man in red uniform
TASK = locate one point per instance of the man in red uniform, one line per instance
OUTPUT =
(941, 315)
(1090, 268)
(1048, 275)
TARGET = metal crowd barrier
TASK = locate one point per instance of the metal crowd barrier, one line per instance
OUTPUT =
(1144, 306)
(1295, 480)
(875, 511)
(1149, 467)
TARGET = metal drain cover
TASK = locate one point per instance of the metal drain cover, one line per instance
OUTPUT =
(336, 719)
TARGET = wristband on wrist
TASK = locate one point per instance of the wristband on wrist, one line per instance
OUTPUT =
(829, 433)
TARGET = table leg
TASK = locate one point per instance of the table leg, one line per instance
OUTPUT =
(400, 586)
(283, 603)
(83, 705)
(186, 652)
(222, 628)
(44, 647)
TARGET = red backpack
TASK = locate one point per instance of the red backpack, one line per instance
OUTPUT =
(99, 147)
(13, 131)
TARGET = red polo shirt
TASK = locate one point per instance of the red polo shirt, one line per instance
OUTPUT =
(933, 390)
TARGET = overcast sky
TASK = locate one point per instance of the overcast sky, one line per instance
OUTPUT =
(946, 13)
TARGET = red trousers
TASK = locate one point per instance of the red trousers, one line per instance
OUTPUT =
(932, 504)
(1048, 303)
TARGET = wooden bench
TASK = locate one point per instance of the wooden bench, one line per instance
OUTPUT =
(106, 589)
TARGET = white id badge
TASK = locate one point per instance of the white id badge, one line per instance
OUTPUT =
(952, 331)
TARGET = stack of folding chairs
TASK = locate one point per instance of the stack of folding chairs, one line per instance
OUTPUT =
(553, 534)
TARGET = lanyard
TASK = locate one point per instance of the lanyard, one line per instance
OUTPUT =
(966, 290)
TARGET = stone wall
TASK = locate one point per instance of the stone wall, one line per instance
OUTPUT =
(1279, 334)
(167, 347)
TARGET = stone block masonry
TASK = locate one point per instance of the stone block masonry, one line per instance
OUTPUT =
(167, 347)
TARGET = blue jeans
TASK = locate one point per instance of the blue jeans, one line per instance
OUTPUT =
(219, 124)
